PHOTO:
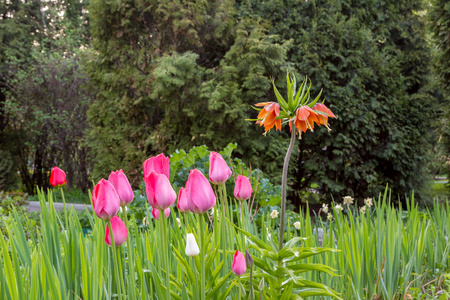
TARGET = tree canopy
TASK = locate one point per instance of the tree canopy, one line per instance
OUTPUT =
(130, 79)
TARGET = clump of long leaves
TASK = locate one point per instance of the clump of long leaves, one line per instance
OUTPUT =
(388, 253)
(61, 262)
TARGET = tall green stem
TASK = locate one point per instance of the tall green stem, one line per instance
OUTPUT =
(283, 187)
(64, 203)
(164, 242)
(116, 268)
(202, 258)
(224, 235)
(251, 296)
(129, 251)
(242, 214)
(239, 288)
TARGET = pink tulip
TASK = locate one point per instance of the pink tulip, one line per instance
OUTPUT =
(219, 172)
(105, 200)
(182, 201)
(122, 186)
(57, 177)
(155, 213)
(119, 230)
(159, 164)
(243, 189)
(160, 193)
(239, 266)
(200, 195)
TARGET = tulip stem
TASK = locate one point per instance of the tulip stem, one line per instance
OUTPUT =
(202, 258)
(116, 269)
(65, 211)
(224, 234)
(129, 250)
(239, 281)
(195, 286)
(164, 242)
(251, 296)
(122, 283)
(283, 187)
(242, 214)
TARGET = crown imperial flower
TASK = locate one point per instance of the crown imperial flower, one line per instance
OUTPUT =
(267, 116)
(297, 110)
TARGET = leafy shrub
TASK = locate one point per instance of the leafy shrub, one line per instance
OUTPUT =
(12, 199)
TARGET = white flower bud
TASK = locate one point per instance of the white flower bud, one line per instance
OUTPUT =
(191, 245)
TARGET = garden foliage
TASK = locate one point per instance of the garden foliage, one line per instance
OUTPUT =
(169, 75)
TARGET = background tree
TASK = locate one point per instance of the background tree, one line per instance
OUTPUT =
(174, 74)
(44, 105)
(439, 19)
(371, 59)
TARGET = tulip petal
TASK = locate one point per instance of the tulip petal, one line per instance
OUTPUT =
(201, 196)
(119, 230)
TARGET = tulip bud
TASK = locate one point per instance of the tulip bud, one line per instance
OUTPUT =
(105, 200)
(119, 230)
(248, 260)
(239, 266)
(200, 194)
(155, 213)
(159, 164)
(191, 245)
(160, 193)
(242, 189)
(261, 285)
(57, 177)
(219, 172)
(182, 201)
(122, 186)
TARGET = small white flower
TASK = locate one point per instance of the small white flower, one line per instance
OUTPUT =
(297, 225)
(330, 216)
(348, 200)
(368, 202)
(179, 222)
(362, 209)
(121, 209)
(212, 211)
(191, 245)
(144, 221)
(339, 207)
(274, 214)
(325, 208)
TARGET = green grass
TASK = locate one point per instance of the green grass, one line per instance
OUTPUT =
(387, 253)
(74, 195)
